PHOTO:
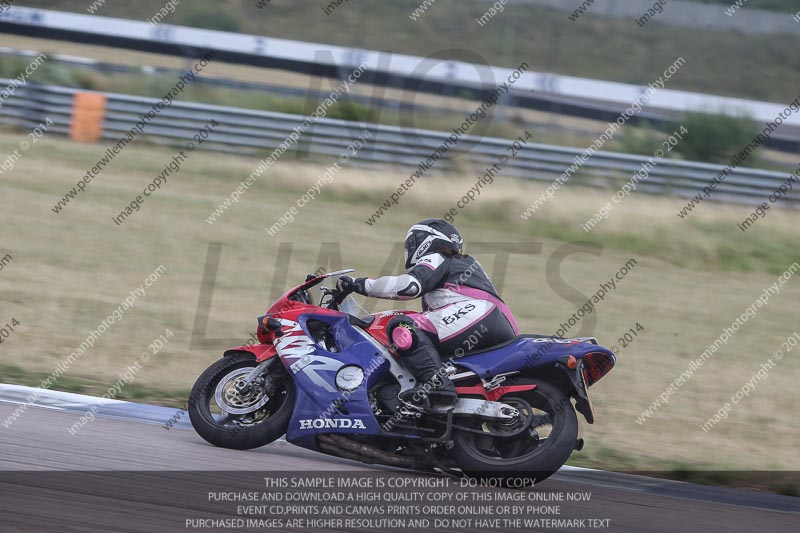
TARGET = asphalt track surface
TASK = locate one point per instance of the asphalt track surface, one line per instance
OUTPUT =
(124, 472)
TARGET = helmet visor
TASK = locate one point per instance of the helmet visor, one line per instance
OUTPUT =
(410, 247)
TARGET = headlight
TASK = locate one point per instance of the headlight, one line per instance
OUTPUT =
(349, 378)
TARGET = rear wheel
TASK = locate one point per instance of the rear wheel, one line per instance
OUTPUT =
(228, 418)
(503, 449)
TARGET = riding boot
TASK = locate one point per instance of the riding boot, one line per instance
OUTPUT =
(433, 388)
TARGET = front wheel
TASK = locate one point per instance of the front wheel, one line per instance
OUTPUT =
(228, 418)
(533, 453)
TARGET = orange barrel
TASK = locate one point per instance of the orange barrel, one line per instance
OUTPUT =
(88, 112)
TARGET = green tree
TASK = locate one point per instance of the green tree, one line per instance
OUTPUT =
(212, 17)
(716, 138)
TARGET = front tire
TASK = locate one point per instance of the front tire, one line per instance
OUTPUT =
(259, 418)
(530, 455)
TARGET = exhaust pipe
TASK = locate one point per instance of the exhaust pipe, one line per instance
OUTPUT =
(342, 446)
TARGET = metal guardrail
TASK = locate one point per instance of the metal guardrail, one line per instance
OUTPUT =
(258, 133)
(553, 93)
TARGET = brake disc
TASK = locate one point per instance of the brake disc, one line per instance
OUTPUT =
(231, 401)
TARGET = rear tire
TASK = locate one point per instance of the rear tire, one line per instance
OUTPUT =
(265, 424)
(527, 455)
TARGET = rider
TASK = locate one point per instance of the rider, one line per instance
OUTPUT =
(459, 302)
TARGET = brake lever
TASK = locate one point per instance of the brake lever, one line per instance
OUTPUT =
(325, 292)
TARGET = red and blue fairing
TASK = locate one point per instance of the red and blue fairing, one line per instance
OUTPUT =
(527, 352)
(321, 406)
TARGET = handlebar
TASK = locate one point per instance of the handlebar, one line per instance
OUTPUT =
(337, 297)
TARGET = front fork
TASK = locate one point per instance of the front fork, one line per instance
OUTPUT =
(243, 387)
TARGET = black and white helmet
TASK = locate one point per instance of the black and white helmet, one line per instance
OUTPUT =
(429, 236)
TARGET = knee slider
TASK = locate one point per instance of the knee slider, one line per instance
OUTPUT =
(402, 332)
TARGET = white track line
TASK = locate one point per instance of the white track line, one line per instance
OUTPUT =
(154, 414)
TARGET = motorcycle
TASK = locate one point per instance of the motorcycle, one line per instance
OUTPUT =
(327, 377)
